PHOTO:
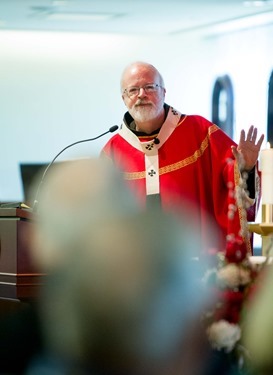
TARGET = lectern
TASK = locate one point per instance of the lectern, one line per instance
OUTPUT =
(19, 279)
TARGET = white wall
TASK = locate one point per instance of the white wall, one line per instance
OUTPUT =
(57, 88)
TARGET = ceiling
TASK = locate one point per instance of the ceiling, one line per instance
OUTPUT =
(141, 17)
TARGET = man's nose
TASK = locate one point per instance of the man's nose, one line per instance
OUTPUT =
(141, 92)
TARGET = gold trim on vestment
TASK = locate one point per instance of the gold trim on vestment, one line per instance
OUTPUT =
(180, 164)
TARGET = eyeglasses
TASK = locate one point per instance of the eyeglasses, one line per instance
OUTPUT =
(134, 90)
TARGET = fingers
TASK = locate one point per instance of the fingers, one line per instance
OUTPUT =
(250, 133)
(239, 157)
(242, 136)
(252, 136)
(234, 151)
(260, 141)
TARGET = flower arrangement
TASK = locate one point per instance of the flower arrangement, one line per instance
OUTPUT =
(232, 279)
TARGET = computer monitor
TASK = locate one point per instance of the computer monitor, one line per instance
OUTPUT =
(30, 173)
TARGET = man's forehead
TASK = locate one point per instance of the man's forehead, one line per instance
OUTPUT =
(139, 73)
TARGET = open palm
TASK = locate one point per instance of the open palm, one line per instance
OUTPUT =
(247, 151)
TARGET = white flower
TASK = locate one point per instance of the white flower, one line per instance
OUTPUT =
(232, 276)
(223, 335)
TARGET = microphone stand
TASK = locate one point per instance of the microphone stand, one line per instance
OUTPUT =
(35, 203)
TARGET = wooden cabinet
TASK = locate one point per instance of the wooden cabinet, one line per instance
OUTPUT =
(18, 277)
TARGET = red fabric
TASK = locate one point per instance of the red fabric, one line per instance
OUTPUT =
(202, 181)
(229, 305)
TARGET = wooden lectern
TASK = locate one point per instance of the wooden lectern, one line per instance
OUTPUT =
(18, 278)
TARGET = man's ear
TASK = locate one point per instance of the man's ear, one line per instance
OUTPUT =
(123, 98)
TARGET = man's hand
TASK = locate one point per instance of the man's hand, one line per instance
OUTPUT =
(248, 150)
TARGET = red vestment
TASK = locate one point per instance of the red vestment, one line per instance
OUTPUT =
(193, 170)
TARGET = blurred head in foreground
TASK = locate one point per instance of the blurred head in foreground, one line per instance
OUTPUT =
(121, 286)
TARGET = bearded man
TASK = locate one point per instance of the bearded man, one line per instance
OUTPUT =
(185, 163)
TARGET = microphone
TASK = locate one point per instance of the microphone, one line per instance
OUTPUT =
(156, 141)
(112, 129)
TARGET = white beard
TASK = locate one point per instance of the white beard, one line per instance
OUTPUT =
(145, 113)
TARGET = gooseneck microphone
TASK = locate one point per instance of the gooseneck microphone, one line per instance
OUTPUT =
(35, 203)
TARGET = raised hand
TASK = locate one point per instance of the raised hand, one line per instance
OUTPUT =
(247, 151)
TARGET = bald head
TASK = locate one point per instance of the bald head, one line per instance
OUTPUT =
(140, 67)
(75, 196)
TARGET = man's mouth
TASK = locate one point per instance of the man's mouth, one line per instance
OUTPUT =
(142, 104)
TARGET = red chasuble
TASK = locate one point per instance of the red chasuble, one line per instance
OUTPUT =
(193, 170)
